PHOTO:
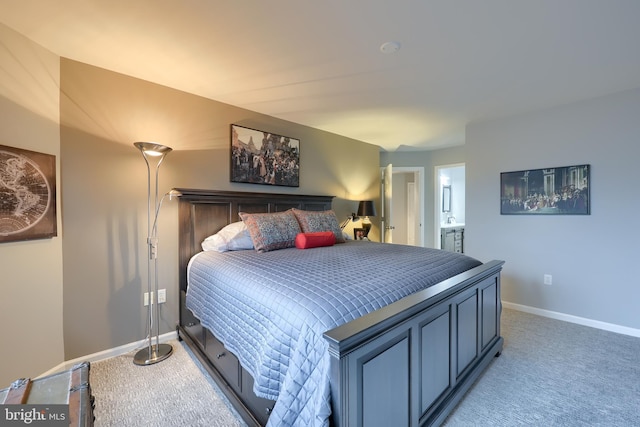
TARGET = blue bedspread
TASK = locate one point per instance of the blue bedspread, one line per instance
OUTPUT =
(271, 309)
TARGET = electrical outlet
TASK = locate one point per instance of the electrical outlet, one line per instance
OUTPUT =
(548, 280)
(145, 299)
(162, 296)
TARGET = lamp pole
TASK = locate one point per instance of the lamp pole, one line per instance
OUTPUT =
(152, 354)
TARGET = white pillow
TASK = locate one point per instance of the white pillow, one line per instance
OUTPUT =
(233, 237)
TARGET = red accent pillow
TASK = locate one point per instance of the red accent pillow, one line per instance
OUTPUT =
(315, 239)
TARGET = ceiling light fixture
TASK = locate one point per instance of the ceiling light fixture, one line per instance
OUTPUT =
(389, 47)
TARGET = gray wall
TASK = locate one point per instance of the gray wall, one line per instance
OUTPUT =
(592, 258)
(104, 191)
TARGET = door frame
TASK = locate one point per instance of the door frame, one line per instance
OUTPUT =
(437, 202)
(418, 172)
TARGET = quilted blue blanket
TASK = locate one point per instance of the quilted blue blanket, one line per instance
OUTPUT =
(271, 309)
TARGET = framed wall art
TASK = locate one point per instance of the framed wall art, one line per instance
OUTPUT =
(27, 195)
(260, 157)
(359, 234)
(553, 191)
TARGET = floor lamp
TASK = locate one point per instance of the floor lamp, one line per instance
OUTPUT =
(153, 154)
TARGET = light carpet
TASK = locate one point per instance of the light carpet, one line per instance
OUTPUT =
(550, 373)
(555, 373)
(173, 393)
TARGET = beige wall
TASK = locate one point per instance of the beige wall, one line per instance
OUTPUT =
(30, 271)
(80, 293)
(104, 190)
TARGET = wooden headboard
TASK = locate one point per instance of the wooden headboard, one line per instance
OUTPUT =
(202, 213)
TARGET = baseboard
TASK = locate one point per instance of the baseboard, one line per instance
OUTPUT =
(108, 354)
(124, 349)
(574, 319)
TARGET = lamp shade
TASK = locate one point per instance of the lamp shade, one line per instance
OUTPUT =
(152, 148)
(366, 208)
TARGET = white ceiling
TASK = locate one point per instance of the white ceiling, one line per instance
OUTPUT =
(319, 62)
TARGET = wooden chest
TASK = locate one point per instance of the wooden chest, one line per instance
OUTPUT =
(69, 392)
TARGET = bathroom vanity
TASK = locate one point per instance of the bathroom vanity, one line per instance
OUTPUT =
(452, 237)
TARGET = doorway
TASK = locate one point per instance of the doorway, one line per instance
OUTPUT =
(449, 203)
(407, 205)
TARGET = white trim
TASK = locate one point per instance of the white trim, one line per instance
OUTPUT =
(574, 319)
(169, 336)
(418, 172)
(410, 210)
(108, 354)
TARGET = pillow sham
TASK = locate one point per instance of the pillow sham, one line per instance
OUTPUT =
(314, 221)
(271, 231)
(232, 237)
(315, 240)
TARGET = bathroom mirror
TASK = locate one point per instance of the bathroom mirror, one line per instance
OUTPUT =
(446, 198)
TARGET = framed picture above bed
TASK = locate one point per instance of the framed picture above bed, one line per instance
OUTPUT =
(552, 191)
(261, 157)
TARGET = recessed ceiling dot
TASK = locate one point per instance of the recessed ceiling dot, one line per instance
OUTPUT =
(389, 47)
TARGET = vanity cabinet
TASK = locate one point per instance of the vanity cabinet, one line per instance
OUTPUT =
(452, 239)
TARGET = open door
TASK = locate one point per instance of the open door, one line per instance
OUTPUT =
(387, 181)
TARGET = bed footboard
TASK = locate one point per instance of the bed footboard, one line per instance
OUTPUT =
(411, 362)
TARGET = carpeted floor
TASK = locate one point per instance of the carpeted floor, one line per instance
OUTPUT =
(176, 392)
(554, 373)
(551, 373)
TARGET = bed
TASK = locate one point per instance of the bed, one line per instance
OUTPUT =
(405, 357)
